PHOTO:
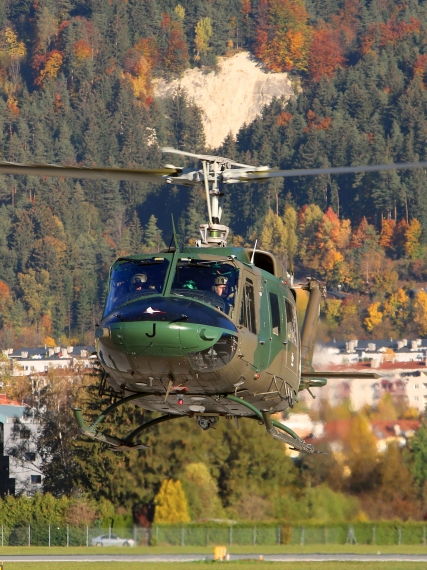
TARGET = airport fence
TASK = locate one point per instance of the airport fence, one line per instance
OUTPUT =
(382, 533)
(54, 535)
(262, 534)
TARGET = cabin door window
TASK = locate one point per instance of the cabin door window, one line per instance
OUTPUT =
(291, 323)
(275, 314)
(292, 356)
(247, 311)
(277, 353)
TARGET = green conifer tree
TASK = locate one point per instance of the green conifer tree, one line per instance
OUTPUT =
(153, 236)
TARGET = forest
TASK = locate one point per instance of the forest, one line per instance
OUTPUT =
(76, 88)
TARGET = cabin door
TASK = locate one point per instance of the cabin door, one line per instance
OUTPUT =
(292, 350)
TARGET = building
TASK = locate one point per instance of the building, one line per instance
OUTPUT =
(400, 364)
(375, 352)
(19, 463)
(29, 361)
(18, 475)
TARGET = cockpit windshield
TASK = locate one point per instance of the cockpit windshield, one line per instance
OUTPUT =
(132, 279)
(214, 282)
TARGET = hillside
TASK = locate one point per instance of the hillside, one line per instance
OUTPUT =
(230, 96)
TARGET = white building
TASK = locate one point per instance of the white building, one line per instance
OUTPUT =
(355, 351)
(28, 361)
(18, 476)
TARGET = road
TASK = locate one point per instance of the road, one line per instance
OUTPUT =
(196, 557)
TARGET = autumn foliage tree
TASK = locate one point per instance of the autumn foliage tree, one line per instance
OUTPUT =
(5, 303)
(283, 34)
(374, 317)
(171, 503)
(51, 67)
(273, 236)
(174, 56)
(326, 53)
(420, 312)
(362, 454)
(12, 51)
(138, 66)
(279, 234)
(413, 245)
(388, 228)
(391, 32)
(325, 252)
(203, 32)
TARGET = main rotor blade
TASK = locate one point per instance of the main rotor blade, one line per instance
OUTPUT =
(207, 157)
(329, 170)
(88, 173)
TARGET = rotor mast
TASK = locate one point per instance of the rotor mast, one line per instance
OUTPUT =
(213, 233)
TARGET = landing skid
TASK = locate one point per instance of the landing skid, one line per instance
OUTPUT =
(117, 443)
(273, 427)
(276, 429)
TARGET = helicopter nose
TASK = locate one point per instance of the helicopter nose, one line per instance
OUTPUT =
(167, 327)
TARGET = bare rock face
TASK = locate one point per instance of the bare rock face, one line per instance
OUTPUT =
(231, 97)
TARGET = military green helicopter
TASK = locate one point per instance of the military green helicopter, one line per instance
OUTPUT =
(208, 331)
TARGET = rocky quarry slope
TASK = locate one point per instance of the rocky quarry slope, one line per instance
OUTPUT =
(231, 96)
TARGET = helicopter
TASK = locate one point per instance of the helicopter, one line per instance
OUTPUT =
(207, 331)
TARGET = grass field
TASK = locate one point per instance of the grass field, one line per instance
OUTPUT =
(238, 565)
(243, 565)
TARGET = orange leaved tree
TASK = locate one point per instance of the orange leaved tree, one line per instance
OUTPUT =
(283, 35)
(326, 54)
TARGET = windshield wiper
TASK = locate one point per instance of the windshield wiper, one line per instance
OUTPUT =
(202, 263)
(158, 261)
(148, 262)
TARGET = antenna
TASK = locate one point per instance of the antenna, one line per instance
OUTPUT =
(174, 236)
(253, 253)
(291, 269)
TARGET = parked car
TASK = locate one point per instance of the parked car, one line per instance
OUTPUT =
(112, 540)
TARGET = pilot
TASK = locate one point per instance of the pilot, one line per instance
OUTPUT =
(220, 287)
(138, 282)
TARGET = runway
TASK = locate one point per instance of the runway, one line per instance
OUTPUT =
(147, 558)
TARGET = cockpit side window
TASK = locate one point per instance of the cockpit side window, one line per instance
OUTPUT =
(247, 309)
(133, 279)
(209, 281)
